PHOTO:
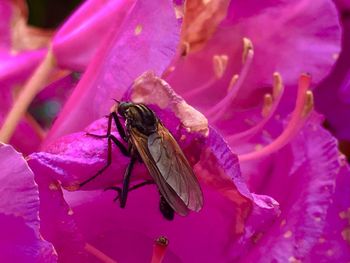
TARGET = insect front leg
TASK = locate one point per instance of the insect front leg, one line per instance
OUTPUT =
(110, 136)
(109, 149)
(119, 126)
(109, 161)
(123, 192)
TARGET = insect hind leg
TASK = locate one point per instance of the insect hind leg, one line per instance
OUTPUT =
(134, 187)
(123, 191)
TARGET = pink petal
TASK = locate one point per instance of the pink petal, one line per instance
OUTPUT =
(332, 96)
(333, 244)
(301, 178)
(19, 210)
(90, 25)
(117, 232)
(126, 55)
(283, 34)
(74, 158)
(57, 220)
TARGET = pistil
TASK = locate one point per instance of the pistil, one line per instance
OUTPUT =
(159, 249)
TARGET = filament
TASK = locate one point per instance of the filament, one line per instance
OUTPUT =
(98, 254)
(215, 113)
(267, 111)
(304, 105)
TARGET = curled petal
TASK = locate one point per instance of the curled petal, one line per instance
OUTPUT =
(19, 210)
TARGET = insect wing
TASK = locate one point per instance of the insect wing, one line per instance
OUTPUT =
(174, 168)
(140, 141)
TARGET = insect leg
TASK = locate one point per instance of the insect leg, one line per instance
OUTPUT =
(119, 126)
(123, 194)
(109, 161)
(166, 210)
(108, 129)
(134, 187)
(108, 135)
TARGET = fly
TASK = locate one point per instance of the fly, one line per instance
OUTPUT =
(151, 142)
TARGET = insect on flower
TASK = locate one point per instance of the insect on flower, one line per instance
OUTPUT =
(152, 143)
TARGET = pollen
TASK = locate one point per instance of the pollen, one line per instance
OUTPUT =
(293, 260)
(335, 56)
(321, 240)
(277, 84)
(288, 234)
(342, 160)
(268, 102)
(70, 212)
(309, 103)
(138, 30)
(220, 65)
(345, 214)
(317, 219)
(258, 147)
(53, 186)
(233, 81)
(247, 49)
(346, 234)
(283, 222)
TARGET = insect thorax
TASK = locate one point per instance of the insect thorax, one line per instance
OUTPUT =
(142, 118)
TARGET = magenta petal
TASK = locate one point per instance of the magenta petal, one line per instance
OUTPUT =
(334, 242)
(283, 35)
(332, 96)
(19, 209)
(146, 41)
(76, 157)
(57, 221)
(218, 228)
(302, 179)
(86, 29)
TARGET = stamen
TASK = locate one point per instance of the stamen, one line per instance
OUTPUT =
(277, 93)
(98, 254)
(247, 46)
(220, 65)
(277, 85)
(303, 107)
(216, 112)
(159, 249)
(232, 82)
(268, 102)
(35, 84)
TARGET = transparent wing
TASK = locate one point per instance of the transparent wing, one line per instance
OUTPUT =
(174, 168)
(170, 169)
